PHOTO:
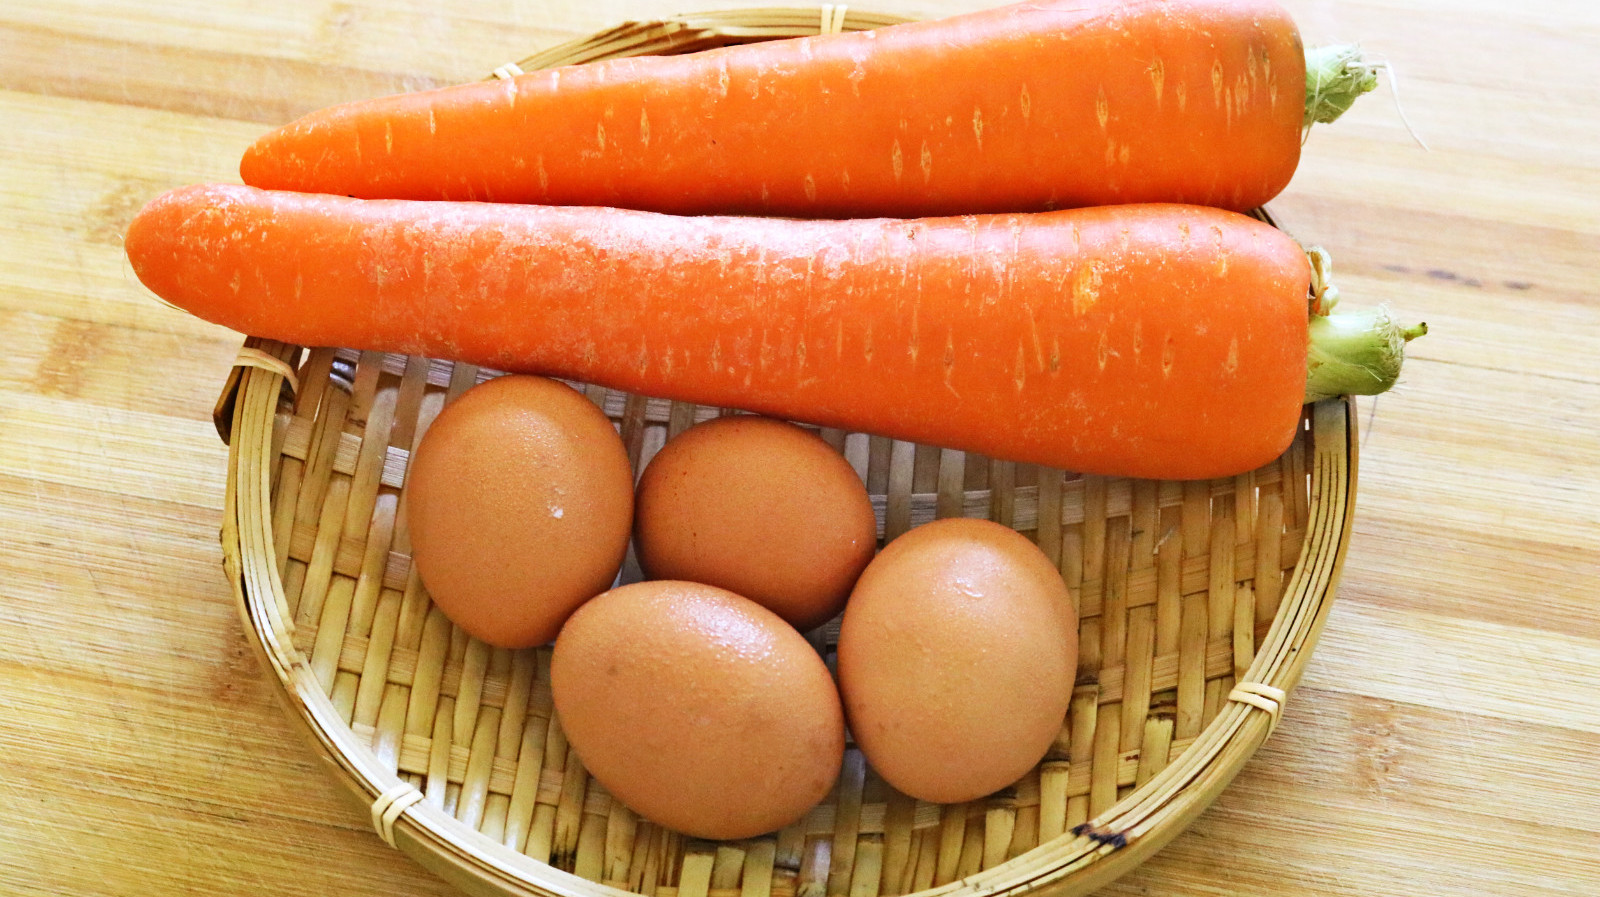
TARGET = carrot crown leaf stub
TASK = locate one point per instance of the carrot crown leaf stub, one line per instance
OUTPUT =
(1336, 76)
(1356, 353)
(1350, 354)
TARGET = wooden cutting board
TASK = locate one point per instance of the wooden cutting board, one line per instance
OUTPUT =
(1446, 737)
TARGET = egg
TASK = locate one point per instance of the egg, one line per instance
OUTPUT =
(760, 507)
(698, 709)
(956, 659)
(519, 502)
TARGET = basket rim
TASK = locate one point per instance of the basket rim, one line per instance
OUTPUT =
(1082, 859)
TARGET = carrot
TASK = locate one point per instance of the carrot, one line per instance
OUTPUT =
(1024, 107)
(1154, 341)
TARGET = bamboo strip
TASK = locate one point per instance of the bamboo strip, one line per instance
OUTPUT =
(525, 787)
(589, 859)
(475, 784)
(760, 861)
(999, 825)
(971, 859)
(952, 493)
(1025, 829)
(846, 821)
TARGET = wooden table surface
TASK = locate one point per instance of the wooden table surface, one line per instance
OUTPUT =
(1446, 739)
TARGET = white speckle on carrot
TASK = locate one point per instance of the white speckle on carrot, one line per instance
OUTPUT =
(1086, 287)
(950, 362)
(856, 74)
(1158, 77)
(433, 124)
(722, 78)
(388, 138)
(544, 177)
(557, 511)
(912, 349)
(1020, 369)
(1102, 108)
(1103, 351)
(898, 160)
(810, 187)
(927, 163)
(1216, 81)
(600, 136)
(1232, 363)
(1038, 343)
(644, 127)
(977, 125)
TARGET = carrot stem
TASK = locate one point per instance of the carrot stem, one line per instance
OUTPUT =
(1358, 353)
(1336, 75)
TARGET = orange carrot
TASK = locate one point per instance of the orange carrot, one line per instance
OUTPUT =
(1156, 341)
(1025, 107)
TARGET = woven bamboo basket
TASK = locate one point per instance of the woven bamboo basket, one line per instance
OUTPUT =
(1199, 605)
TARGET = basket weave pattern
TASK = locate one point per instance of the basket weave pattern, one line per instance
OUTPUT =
(1198, 604)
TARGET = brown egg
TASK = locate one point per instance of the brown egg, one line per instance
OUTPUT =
(519, 502)
(760, 507)
(698, 709)
(957, 656)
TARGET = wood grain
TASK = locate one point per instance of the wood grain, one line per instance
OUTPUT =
(1446, 736)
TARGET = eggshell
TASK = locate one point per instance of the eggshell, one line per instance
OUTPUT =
(761, 507)
(698, 709)
(519, 503)
(957, 656)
